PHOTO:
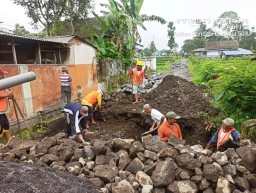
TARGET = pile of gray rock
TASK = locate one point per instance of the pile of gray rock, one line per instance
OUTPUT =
(150, 83)
(150, 166)
(179, 65)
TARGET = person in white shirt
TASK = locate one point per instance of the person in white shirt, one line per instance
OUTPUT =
(157, 117)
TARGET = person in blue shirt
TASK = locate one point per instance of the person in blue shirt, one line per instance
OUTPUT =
(75, 115)
(226, 132)
(66, 86)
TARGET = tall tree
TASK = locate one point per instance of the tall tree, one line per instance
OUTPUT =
(44, 12)
(20, 30)
(77, 10)
(48, 13)
(171, 33)
(230, 24)
(152, 47)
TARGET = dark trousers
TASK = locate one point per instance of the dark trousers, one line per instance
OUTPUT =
(70, 122)
(65, 96)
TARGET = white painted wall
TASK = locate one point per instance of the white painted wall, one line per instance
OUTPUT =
(81, 54)
(213, 53)
(84, 54)
(26, 92)
(151, 63)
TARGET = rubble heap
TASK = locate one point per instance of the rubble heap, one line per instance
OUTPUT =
(126, 165)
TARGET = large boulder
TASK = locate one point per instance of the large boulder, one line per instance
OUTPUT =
(167, 152)
(88, 152)
(123, 186)
(49, 158)
(174, 141)
(186, 186)
(136, 148)
(211, 172)
(143, 179)
(164, 174)
(252, 179)
(106, 172)
(118, 144)
(124, 159)
(223, 186)
(220, 157)
(242, 183)
(45, 144)
(99, 147)
(135, 166)
(66, 154)
(153, 143)
(248, 157)
(186, 161)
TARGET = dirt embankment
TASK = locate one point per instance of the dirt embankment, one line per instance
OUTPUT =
(126, 120)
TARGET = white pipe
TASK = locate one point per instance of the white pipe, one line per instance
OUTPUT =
(17, 80)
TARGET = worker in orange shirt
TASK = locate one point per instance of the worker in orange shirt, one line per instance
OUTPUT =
(137, 81)
(170, 127)
(4, 108)
(93, 102)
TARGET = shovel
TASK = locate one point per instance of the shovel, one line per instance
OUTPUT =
(149, 132)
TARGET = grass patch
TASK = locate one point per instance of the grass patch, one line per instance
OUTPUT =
(163, 64)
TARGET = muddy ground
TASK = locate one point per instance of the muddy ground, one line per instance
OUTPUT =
(126, 120)
(122, 119)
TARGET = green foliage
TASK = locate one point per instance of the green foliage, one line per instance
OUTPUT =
(25, 134)
(116, 81)
(171, 32)
(163, 64)
(232, 84)
(49, 12)
(40, 129)
(119, 27)
(20, 30)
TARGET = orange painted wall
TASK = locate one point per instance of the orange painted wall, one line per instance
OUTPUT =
(12, 71)
(45, 89)
(84, 75)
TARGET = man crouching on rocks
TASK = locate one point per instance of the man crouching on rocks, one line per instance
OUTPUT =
(226, 132)
(78, 114)
(170, 127)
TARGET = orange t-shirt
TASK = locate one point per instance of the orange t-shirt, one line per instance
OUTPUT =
(4, 107)
(165, 131)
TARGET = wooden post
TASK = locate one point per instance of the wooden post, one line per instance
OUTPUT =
(38, 53)
(60, 56)
(14, 52)
(55, 58)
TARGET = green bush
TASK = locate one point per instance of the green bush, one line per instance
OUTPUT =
(231, 82)
(163, 63)
(116, 81)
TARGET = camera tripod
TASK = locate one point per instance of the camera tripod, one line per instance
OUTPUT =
(16, 106)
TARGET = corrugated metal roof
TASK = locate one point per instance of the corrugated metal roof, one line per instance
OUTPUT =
(222, 45)
(54, 40)
(237, 52)
(62, 39)
(199, 50)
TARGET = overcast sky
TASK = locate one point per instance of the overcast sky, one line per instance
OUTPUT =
(181, 12)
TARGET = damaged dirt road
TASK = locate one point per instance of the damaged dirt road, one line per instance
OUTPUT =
(120, 119)
(126, 120)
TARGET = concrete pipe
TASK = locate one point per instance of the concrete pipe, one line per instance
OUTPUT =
(17, 80)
